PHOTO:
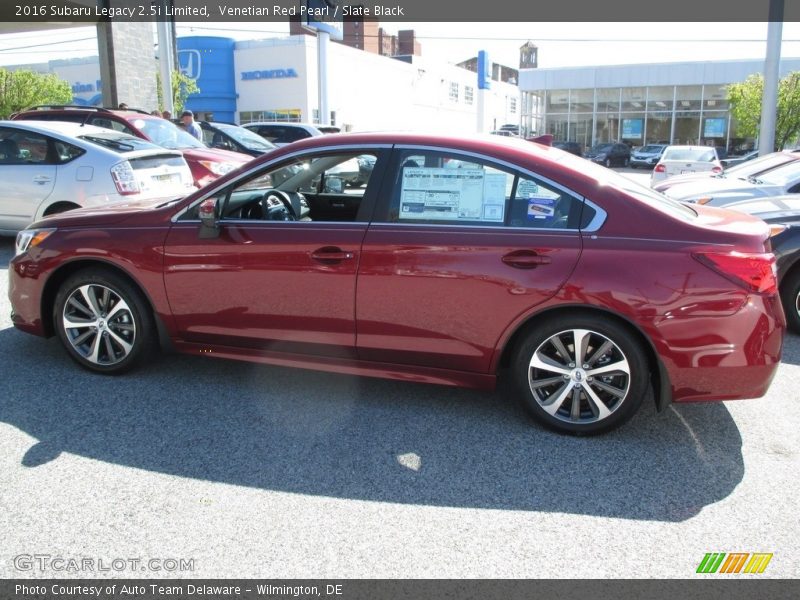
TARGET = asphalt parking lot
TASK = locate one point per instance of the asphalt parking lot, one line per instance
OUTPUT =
(256, 471)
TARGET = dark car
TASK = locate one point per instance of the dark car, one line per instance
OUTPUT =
(205, 163)
(610, 154)
(782, 210)
(461, 260)
(227, 136)
(571, 147)
(647, 156)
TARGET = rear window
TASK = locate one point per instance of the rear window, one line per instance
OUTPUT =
(690, 154)
(782, 175)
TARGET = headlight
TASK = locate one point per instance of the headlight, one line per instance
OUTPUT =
(28, 238)
(219, 168)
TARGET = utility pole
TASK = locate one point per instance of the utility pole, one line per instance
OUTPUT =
(769, 101)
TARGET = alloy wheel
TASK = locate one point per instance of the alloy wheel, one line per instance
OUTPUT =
(579, 376)
(99, 324)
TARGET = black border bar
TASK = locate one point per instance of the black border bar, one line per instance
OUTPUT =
(215, 11)
(703, 588)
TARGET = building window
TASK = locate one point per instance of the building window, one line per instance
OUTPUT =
(468, 94)
(512, 106)
(454, 91)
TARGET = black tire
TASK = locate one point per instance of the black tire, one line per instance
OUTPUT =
(574, 408)
(790, 298)
(111, 328)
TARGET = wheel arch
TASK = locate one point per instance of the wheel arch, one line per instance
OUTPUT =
(662, 389)
(60, 275)
(59, 207)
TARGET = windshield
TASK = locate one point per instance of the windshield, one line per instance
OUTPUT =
(651, 149)
(690, 154)
(246, 138)
(168, 135)
(119, 142)
(602, 148)
(783, 175)
(630, 187)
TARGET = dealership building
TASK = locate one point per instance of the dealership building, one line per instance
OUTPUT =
(675, 103)
(276, 79)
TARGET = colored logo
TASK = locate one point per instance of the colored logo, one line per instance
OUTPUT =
(734, 562)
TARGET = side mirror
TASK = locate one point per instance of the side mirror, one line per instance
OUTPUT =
(209, 223)
(334, 185)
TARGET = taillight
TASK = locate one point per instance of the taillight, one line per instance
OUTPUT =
(660, 168)
(716, 169)
(124, 178)
(755, 272)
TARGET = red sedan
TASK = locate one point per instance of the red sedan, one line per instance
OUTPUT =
(459, 261)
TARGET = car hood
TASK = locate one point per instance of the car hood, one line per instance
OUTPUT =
(216, 155)
(95, 216)
(716, 187)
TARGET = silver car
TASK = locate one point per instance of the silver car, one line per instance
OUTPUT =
(47, 167)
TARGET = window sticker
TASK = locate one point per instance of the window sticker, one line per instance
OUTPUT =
(462, 194)
(541, 208)
(526, 188)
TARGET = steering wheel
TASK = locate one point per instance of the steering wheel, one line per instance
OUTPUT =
(273, 211)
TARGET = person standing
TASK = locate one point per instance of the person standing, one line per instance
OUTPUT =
(187, 118)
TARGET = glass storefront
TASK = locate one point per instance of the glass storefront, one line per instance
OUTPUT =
(689, 114)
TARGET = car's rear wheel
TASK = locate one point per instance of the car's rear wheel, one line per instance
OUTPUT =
(790, 297)
(103, 321)
(581, 375)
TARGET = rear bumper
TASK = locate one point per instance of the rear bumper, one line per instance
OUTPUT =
(723, 357)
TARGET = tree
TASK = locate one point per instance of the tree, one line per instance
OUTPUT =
(745, 99)
(182, 87)
(23, 88)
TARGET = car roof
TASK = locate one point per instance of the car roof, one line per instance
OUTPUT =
(306, 126)
(66, 128)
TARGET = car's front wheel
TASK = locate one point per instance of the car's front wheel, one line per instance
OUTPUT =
(581, 375)
(607, 163)
(103, 321)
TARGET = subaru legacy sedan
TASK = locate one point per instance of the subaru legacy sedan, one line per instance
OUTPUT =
(461, 260)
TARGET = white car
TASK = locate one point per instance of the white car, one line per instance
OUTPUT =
(48, 167)
(680, 160)
(781, 180)
(281, 133)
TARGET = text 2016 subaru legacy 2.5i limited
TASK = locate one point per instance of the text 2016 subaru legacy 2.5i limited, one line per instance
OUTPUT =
(459, 261)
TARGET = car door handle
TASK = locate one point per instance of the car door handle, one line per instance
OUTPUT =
(41, 179)
(525, 259)
(331, 254)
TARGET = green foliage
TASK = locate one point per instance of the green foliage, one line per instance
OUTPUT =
(182, 88)
(23, 88)
(745, 99)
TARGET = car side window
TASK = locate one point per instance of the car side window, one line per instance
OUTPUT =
(66, 152)
(442, 188)
(111, 124)
(326, 187)
(23, 148)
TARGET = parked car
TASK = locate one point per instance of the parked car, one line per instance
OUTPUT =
(610, 154)
(281, 133)
(206, 163)
(742, 171)
(49, 167)
(782, 210)
(227, 136)
(784, 179)
(503, 264)
(504, 133)
(680, 160)
(571, 147)
(647, 156)
(732, 161)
